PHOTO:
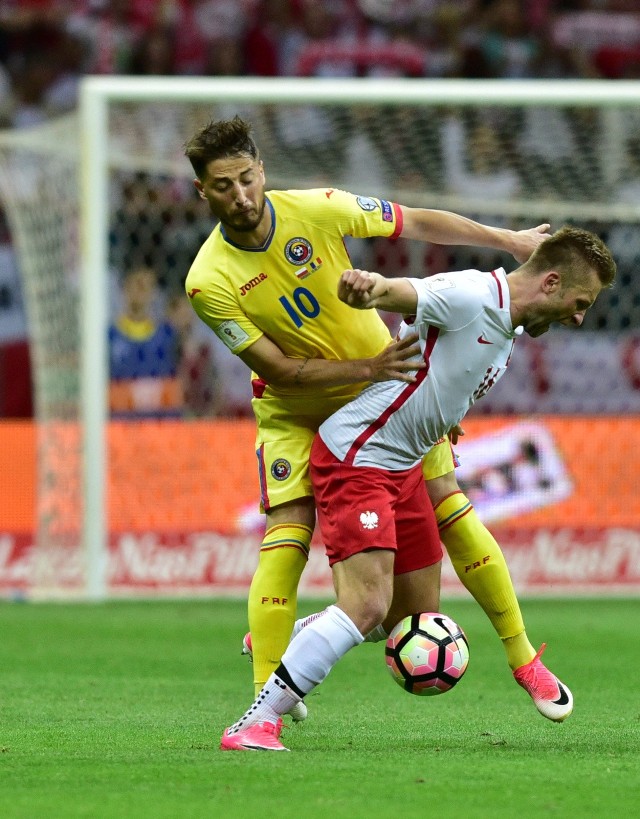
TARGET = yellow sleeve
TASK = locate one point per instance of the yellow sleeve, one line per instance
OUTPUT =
(220, 311)
(353, 215)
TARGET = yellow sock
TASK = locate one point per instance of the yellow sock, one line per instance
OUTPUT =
(273, 595)
(480, 565)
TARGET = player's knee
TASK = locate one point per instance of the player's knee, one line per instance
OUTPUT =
(439, 488)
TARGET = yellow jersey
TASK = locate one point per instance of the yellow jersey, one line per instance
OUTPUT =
(287, 288)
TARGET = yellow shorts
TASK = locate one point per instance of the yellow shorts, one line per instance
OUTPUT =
(439, 460)
(285, 432)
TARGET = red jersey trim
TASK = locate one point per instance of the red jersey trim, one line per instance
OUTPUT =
(402, 398)
(397, 210)
(499, 283)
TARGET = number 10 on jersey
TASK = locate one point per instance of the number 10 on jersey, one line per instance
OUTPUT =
(304, 304)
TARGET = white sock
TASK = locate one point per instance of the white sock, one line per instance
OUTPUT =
(311, 655)
(274, 700)
(376, 635)
(302, 623)
(309, 658)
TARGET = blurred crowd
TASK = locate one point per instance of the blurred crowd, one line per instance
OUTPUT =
(47, 46)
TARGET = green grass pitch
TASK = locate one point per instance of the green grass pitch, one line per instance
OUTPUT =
(116, 710)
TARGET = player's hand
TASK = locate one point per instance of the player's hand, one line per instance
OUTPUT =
(394, 364)
(355, 288)
(526, 241)
(455, 433)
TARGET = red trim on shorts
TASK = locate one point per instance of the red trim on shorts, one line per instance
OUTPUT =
(499, 283)
(403, 397)
(399, 221)
(262, 475)
(258, 386)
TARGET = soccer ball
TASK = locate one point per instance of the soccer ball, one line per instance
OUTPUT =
(427, 653)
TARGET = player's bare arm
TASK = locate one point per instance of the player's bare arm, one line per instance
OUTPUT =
(267, 360)
(364, 290)
(444, 228)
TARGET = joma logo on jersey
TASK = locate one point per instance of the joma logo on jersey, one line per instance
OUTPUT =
(254, 282)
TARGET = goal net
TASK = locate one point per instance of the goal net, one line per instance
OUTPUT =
(156, 500)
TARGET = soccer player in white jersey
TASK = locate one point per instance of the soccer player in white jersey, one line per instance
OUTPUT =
(265, 281)
(365, 460)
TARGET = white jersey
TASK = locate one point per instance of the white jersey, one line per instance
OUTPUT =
(466, 339)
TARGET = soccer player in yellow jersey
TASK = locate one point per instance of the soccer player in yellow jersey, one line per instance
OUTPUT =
(265, 281)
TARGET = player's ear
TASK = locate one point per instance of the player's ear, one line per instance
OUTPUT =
(551, 282)
(199, 188)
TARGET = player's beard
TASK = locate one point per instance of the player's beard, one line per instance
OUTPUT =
(246, 222)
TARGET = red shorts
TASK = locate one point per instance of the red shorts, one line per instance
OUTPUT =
(362, 508)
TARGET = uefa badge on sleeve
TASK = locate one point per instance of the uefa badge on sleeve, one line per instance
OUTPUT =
(367, 203)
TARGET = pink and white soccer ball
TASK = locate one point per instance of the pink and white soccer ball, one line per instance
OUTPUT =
(427, 653)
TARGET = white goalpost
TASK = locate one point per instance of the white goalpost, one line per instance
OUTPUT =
(76, 191)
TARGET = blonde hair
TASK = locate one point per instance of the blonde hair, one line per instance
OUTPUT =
(574, 252)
